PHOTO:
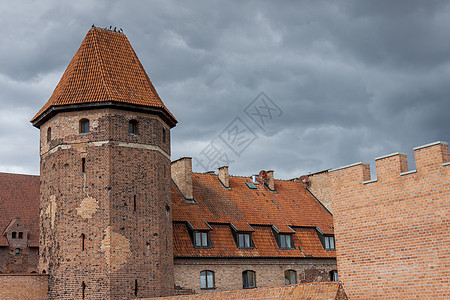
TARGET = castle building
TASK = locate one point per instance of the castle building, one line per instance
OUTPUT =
(118, 220)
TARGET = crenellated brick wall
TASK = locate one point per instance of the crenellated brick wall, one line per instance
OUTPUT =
(393, 233)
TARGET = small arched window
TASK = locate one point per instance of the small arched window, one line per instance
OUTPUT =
(14, 235)
(84, 126)
(206, 279)
(133, 127)
(49, 134)
(248, 279)
(20, 235)
(290, 277)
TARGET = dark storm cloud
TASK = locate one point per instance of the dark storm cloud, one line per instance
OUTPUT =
(354, 79)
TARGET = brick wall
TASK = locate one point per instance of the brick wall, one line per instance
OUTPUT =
(269, 272)
(120, 206)
(319, 185)
(23, 286)
(26, 261)
(393, 233)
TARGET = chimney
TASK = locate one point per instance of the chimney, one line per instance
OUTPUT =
(224, 177)
(270, 181)
(182, 176)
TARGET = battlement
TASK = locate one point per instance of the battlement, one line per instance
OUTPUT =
(429, 159)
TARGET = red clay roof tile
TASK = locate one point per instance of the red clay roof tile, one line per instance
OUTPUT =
(105, 69)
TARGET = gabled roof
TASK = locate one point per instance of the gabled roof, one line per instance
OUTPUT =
(259, 211)
(19, 198)
(306, 291)
(104, 71)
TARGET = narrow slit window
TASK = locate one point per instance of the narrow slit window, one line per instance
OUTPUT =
(49, 134)
(134, 203)
(83, 165)
(83, 237)
(84, 126)
(135, 288)
(164, 135)
(83, 290)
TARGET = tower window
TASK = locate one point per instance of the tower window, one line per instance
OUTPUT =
(83, 290)
(248, 279)
(134, 203)
(20, 235)
(133, 127)
(49, 134)
(164, 135)
(84, 126)
(14, 235)
(135, 287)
(290, 277)
(206, 279)
(83, 165)
(83, 237)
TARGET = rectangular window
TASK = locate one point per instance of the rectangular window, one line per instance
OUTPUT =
(244, 240)
(285, 241)
(329, 243)
(207, 279)
(248, 279)
(201, 239)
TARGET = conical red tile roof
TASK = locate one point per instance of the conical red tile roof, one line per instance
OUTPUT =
(104, 70)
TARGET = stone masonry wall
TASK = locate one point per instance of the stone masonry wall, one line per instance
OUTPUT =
(269, 272)
(118, 209)
(393, 233)
(20, 286)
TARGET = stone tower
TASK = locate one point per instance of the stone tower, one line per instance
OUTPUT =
(105, 207)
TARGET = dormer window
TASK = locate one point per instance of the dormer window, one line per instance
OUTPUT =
(244, 240)
(201, 239)
(329, 243)
(84, 126)
(285, 241)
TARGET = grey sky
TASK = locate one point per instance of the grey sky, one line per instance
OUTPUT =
(354, 79)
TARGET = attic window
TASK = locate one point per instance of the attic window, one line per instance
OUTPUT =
(285, 241)
(251, 185)
(20, 235)
(329, 243)
(14, 235)
(201, 239)
(244, 240)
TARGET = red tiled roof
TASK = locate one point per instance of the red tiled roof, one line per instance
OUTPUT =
(306, 291)
(105, 69)
(246, 210)
(19, 197)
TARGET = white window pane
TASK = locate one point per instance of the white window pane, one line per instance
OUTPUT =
(331, 242)
(203, 280)
(292, 277)
(288, 241)
(210, 280)
(335, 275)
(327, 242)
(283, 241)
(241, 240)
(247, 240)
(204, 239)
(198, 241)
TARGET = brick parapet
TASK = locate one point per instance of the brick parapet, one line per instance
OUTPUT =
(392, 233)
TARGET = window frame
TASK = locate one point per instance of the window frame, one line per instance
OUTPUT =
(246, 281)
(208, 285)
(329, 243)
(133, 127)
(287, 277)
(14, 235)
(282, 239)
(244, 244)
(334, 276)
(202, 237)
(83, 128)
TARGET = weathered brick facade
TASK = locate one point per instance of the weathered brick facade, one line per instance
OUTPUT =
(393, 233)
(269, 271)
(118, 209)
(319, 185)
(24, 260)
(23, 286)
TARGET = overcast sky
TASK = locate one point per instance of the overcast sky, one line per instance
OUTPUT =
(343, 81)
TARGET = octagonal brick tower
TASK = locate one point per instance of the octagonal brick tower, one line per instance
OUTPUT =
(105, 207)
